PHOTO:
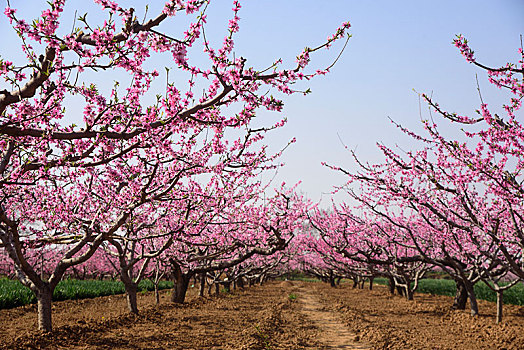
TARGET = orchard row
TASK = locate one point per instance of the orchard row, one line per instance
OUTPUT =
(100, 179)
(149, 175)
(454, 206)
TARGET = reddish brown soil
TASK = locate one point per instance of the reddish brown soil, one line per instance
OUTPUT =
(254, 318)
(333, 333)
(392, 322)
(265, 317)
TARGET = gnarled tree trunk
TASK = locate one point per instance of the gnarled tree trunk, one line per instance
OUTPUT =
(472, 298)
(180, 283)
(409, 293)
(391, 285)
(400, 290)
(461, 296)
(240, 283)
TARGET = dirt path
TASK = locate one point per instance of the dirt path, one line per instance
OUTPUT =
(428, 322)
(281, 315)
(333, 334)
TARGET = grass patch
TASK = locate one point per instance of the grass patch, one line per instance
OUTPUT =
(13, 293)
(297, 276)
(514, 295)
(292, 296)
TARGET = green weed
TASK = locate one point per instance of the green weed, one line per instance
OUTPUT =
(264, 337)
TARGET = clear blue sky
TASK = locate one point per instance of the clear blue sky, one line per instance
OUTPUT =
(397, 46)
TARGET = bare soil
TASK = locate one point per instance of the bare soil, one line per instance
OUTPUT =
(267, 317)
(333, 333)
(393, 322)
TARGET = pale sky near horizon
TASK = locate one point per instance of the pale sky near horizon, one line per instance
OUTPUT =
(397, 47)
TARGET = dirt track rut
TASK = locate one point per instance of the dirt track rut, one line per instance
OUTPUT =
(333, 334)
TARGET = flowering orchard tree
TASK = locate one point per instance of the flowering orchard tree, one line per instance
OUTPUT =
(279, 264)
(77, 163)
(151, 230)
(366, 247)
(185, 216)
(316, 259)
(257, 268)
(140, 242)
(237, 233)
(496, 162)
(458, 205)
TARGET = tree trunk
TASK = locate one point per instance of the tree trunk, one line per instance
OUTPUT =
(371, 283)
(409, 293)
(461, 296)
(391, 284)
(217, 288)
(180, 283)
(202, 285)
(44, 297)
(180, 289)
(472, 298)
(131, 289)
(338, 280)
(473, 305)
(400, 290)
(499, 305)
(355, 283)
(332, 282)
(157, 295)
